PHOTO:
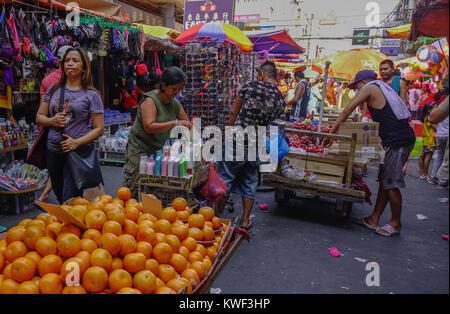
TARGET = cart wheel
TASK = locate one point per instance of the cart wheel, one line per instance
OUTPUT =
(344, 208)
(282, 198)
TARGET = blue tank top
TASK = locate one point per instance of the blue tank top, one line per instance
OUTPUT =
(394, 133)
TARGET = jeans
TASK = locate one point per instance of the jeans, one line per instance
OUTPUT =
(441, 145)
(62, 182)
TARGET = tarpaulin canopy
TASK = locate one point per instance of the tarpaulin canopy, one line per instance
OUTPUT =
(430, 18)
(401, 31)
(274, 42)
(289, 66)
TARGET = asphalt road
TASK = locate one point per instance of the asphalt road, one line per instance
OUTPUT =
(288, 250)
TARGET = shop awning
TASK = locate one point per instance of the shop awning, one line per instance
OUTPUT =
(160, 32)
(278, 42)
(288, 66)
(430, 18)
(401, 31)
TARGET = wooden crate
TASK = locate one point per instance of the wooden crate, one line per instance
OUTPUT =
(367, 137)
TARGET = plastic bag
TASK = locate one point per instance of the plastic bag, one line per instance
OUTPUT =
(283, 146)
(215, 188)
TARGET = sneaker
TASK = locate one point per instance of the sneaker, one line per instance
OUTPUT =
(443, 184)
(423, 178)
(433, 181)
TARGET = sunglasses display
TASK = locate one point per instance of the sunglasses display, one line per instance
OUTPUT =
(215, 72)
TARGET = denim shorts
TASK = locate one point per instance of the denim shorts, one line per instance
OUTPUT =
(240, 177)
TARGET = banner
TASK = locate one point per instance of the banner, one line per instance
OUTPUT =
(212, 11)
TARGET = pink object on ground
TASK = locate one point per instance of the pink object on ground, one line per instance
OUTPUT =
(445, 236)
(264, 207)
(335, 252)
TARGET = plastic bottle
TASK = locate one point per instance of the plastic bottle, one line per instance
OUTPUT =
(170, 166)
(142, 164)
(166, 148)
(176, 167)
(165, 164)
(158, 162)
(150, 167)
(183, 167)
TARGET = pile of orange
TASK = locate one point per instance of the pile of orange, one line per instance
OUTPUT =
(124, 251)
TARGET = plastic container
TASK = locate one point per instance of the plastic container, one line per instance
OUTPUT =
(183, 167)
(165, 164)
(176, 167)
(143, 164)
(158, 162)
(166, 148)
(170, 166)
(150, 167)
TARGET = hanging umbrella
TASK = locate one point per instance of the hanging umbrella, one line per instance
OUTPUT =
(346, 64)
(401, 31)
(278, 42)
(215, 31)
(159, 31)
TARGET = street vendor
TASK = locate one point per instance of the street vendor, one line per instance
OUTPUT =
(302, 94)
(387, 108)
(158, 113)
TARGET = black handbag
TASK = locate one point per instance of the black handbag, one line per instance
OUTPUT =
(84, 163)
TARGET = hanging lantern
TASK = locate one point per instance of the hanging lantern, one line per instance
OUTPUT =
(436, 57)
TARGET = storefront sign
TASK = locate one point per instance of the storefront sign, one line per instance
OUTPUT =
(247, 18)
(213, 11)
(390, 52)
(364, 34)
(142, 17)
(391, 43)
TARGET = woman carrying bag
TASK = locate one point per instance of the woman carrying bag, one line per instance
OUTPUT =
(66, 111)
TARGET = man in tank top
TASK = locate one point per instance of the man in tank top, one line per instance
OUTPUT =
(398, 140)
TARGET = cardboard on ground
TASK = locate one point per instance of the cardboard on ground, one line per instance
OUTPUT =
(152, 205)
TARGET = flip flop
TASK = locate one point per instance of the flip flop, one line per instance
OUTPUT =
(246, 228)
(2, 229)
(362, 222)
(390, 231)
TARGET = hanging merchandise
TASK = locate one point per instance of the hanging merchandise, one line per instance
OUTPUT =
(157, 66)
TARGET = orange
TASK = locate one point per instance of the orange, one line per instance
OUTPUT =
(109, 207)
(86, 258)
(74, 290)
(53, 229)
(23, 269)
(37, 223)
(116, 215)
(31, 235)
(69, 228)
(181, 231)
(169, 214)
(134, 262)
(7, 272)
(147, 235)
(113, 227)
(23, 223)
(161, 238)
(177, 223)
(116, 263)
(152, 265)
(211, 252)
(95, 219)
(144, 248)
(8, 286)
(124, 193)
(94, 235)
(132, 213)
(145, 281)
(119, 279)
(111, 243)
(119, 203)
(165, 290)
(69, 245)
(147, 216)
(166, 273)
(128, 244)
(72, 270)
(88, 245)
(184, 251)
(200, 268)
(196, 221)
(80, 201)
(207, 213)
(195, 256)
(163, 226)
(178, 285)
(196, 233)
(15, 250)
(188, 285)
(162, 252)
(201, 249)
(15, 234)
(159, 283)
(208, 233)
(217, 223)
(50, 284)
(191, 275)
(27, 287)
(50, 264)
(102, 258)
(130, 227)
(146, 224)
(216, 245)
(179, 203)
(178, 262)
(2, 262)
(208, 223)
(46, 246)
(190, 243)
(131, 201)
(188, 210)
(95, 279)
(129, 291)
(207, 263)
(78, 212)
(35, 257)
(174, 242)
(183, 215)
(98, 205)
(106, 198)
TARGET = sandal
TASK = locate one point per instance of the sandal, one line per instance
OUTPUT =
(246, 228)
(387, 231)
(363, 222)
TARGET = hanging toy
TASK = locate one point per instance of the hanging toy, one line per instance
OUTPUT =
(437, 57)
(424, 66)
(425, 53)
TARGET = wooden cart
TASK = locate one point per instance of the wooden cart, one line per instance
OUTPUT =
(327, 168)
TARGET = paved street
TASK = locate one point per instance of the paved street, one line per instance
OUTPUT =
(288, 252)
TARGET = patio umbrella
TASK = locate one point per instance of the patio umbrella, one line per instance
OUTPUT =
(215, 31)
(278, 42)
(346, 64)
(159, 31)
(401, 31)
(310, 73)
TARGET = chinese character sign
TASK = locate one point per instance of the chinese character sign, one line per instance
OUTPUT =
(208, 11)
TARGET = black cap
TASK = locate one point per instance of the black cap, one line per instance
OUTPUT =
(361, 76)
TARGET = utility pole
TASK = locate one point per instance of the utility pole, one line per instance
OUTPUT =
(307, 32)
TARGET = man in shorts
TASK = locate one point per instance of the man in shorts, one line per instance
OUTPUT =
(387, 108)
(258, 104)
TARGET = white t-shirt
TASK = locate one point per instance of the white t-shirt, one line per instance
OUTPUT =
(442, 129)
